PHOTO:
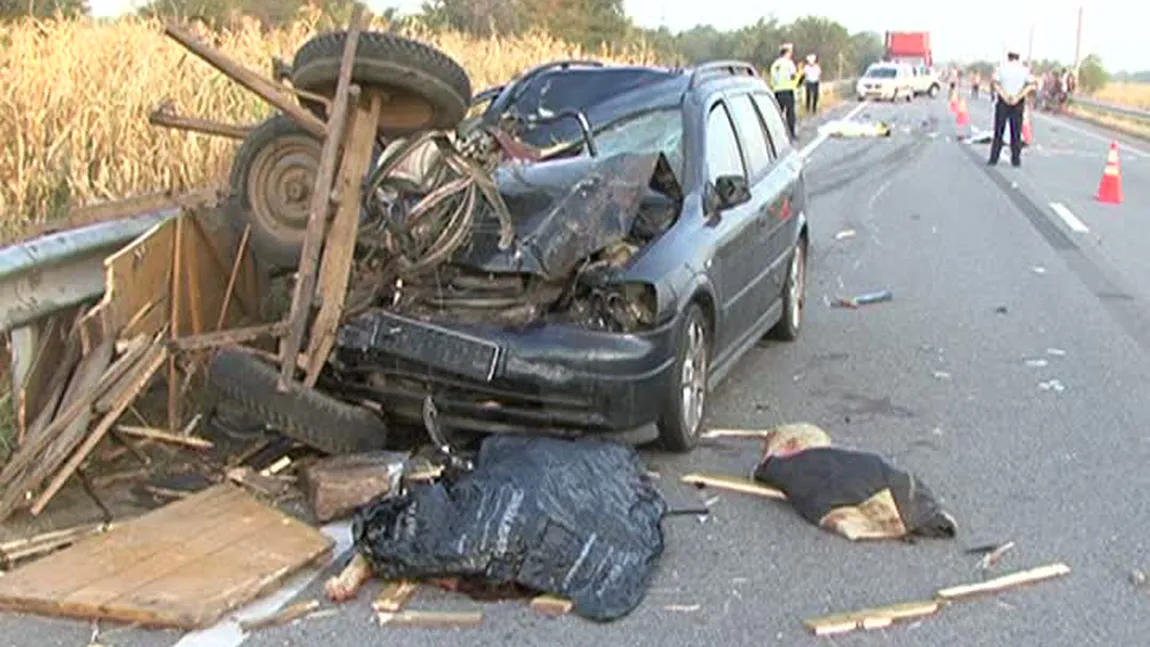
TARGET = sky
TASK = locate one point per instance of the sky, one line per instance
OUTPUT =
(960, 30)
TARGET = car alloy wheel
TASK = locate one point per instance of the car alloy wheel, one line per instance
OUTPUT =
(797, 276)
(693, 377)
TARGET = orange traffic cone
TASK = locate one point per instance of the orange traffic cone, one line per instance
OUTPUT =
(963, 117)
(1027, 136)
(1110, 188)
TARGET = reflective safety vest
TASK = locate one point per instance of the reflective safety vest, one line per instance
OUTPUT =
(784, 75)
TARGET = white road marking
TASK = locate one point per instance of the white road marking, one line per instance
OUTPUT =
(1122, 145)
(822, 137)
(1069, 218)
(227, 632)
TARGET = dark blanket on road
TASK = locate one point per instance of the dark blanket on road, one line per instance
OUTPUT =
(579, 519)
(856, 494)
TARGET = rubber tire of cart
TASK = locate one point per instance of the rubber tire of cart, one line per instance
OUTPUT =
(418, 78)
(302, 414)
(276, 246)
(785, 329)
(672, 434)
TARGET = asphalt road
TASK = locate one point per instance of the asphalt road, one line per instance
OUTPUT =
(986, 276)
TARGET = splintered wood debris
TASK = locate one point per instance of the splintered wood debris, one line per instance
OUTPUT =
(290, 614)
(734, 484)
(881, 617)
(551, 606)
(182, 566)
(431, 619)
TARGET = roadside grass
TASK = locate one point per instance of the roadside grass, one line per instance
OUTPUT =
(1135, 95)
(1132, 127)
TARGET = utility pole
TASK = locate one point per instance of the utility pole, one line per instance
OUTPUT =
(1078, 45)
(840, 76)
(1030, 47)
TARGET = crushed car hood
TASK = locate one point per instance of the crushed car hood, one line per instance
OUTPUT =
(564, 211)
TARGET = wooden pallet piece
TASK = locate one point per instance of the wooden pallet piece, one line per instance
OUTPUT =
(182, 566)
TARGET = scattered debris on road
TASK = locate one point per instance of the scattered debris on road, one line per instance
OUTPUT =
(1052, 385)
(292, 613)
(864, 299)
(883, 617)
(992, 557)
(876, 618)
(853, 128)
(1138, 577)
(845, 234)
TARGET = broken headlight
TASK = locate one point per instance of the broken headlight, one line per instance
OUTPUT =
(624, 308)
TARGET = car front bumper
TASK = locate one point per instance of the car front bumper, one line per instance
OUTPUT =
(544, 378)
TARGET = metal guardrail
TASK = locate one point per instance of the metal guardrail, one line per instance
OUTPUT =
(1111, 109)
(52, 272)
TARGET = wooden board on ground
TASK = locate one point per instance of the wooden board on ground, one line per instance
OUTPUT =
(876, 618)
(1005, 582)
(182, 566)
(734, 484)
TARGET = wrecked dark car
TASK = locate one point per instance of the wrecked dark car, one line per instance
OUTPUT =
(634, 233)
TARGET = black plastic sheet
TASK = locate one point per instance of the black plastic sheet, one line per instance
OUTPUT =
(579, 519)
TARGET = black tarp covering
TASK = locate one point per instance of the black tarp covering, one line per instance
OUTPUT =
(579, 519)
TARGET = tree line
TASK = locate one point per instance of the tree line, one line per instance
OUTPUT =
(590, 23)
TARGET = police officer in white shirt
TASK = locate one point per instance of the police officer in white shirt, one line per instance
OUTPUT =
(1012, 82)
(812, 73)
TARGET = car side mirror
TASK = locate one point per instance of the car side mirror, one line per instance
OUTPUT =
(726, 192)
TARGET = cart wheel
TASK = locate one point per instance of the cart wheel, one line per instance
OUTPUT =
(426, 89)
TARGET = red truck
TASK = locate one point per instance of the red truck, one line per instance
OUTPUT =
(913, 48)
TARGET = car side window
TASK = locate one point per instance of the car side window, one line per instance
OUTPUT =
(754, 135)
(775, 126)
(723, 155)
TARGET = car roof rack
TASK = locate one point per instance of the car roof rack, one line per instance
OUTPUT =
(734, 67)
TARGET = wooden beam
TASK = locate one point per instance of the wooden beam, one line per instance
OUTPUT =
(320, 205)
(169, 119)
(263, 87)
(339, 245)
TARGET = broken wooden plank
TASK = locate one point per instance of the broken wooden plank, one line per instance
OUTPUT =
(181, 566)
(876, 618)
(33, 393)
(395, 595)
(146, 368)
(336, 486)
(136, 278)
(18, 550)
(551, 606)
(734, 484)
(304, 291)
(54, 391)
(174, 324)
(230, 337)
(432, 619)
(290, 614)
(1005, 582)
(271, 487)
(265, 88)
(339, 245)
(167, 117)
(735, 433)
(165, 437)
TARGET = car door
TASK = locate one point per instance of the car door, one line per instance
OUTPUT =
(787, 196)
(734, 229)
(767, 189)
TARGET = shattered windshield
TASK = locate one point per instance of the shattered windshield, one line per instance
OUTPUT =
(657, 131)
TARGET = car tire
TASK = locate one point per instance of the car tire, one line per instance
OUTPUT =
(302, 414)
(794, 295)
(427, 89)
(682, 417)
